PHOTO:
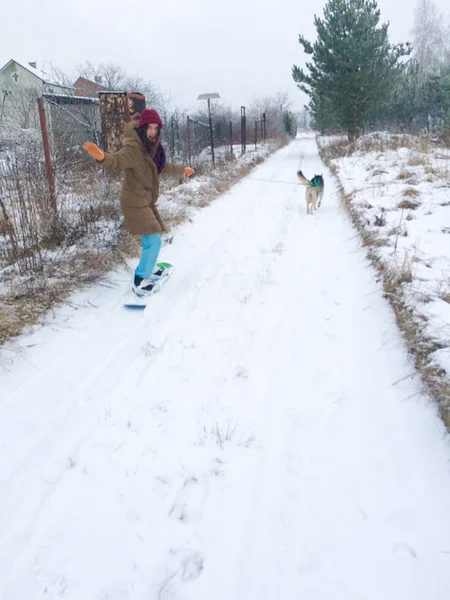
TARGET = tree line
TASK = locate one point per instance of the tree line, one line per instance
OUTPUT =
(357, 80)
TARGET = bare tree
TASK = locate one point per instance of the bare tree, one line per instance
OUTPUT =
(273, 107)
(282, 102)
(218, 110)
(20, 107)
(430, 38)
(56, 75)
(134, 83)
(108, 75)
(114, 78)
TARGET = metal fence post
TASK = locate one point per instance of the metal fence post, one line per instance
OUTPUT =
(189, 140)
(172, 139)
(231, 138)
(211, 130)
(48, 160)
(243, 130)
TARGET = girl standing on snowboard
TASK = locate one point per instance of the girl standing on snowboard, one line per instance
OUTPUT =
(143, 159)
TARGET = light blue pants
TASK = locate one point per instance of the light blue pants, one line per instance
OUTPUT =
(151, 245)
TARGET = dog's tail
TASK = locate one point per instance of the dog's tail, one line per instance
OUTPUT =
(302, 178)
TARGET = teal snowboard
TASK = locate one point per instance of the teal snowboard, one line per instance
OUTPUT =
(140, 302)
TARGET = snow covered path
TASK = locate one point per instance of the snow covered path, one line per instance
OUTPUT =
(256, 434)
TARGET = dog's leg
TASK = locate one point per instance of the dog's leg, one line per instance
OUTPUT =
(308, 201)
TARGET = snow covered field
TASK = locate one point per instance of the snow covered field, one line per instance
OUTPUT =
(400, 189)
(256, 433)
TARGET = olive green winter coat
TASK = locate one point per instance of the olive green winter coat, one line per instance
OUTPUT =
(141, 185)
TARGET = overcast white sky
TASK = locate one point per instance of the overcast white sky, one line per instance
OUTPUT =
(238, 48)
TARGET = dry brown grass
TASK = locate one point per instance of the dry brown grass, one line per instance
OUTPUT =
(445, 294)
(372, 240)
(412, 326)
(430, 170)
(378, 172)
(398, 275)
(3, 226)
(443, 138)
(411, 193)
(24, 305)
(408, 204)
(418, 160)
(405, 174)
(378, 142)
(339, 147)
(400, 230)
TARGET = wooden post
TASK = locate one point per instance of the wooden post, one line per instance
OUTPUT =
(48, 160)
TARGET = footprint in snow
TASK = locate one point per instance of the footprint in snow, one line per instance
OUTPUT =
(192, 566)
(190, 501)
(58, 587)
(404, 549)
(278, 248)
(186, 570)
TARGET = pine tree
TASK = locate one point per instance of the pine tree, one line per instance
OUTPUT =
(290, 123)
(353, 66)
(406, 110)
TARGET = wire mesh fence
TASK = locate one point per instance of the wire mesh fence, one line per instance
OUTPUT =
(67, 121)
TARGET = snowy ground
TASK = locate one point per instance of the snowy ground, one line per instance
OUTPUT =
(255, 434)
(402, 192)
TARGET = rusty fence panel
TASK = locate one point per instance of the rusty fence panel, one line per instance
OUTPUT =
(116, 109)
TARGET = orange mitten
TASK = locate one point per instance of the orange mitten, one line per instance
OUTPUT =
(94, 150)
(188, 171)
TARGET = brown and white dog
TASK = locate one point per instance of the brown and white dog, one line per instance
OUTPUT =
(314, 191)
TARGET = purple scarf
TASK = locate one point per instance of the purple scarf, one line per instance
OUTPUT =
(160, 159)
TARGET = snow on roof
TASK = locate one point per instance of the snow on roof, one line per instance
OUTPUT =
(35, 71)
(71, 97)
(25, 65)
